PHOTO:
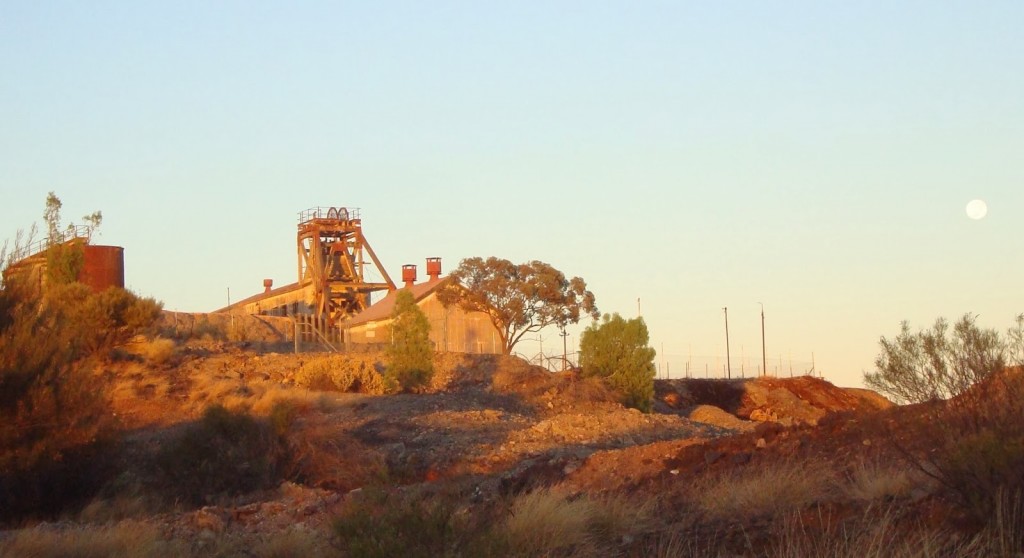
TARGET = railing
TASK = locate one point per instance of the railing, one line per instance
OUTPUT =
(312, 329)
(68, 234)
(339, 213)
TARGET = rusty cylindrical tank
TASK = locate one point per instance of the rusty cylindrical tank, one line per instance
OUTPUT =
(103, 267)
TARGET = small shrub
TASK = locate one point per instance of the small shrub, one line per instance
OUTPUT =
(340, 373)
(935, 364)
(981, 465)
(322, 457)
(158, 351)
(225, 453)
(410, 354)
(617, 350)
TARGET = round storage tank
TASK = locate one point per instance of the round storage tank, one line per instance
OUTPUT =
(103, 267)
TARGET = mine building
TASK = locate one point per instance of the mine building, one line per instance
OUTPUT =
(102, 266)
(339, 275)
(451, 329)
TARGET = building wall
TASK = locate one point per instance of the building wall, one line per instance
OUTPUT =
(451, 330)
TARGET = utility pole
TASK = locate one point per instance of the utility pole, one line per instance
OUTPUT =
(764, 359)
(565, 350)
(229, 310)
(728, 360)
(638, 314)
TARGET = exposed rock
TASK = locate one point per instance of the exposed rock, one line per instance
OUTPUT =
(710, 414)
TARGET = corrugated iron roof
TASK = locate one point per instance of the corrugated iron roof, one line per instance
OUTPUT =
(384, 307)
(258, 296)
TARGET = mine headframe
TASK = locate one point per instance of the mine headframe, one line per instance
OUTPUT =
(331, 249)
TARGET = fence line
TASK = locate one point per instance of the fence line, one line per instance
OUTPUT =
(672, 366)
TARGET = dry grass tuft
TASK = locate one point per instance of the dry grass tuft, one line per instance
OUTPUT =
(672, 544)
(543, 521)
(292, 543)
(127, 539)
(872, 481)
(1004, 535)
(884, 533)
(546, 521)
(157, 351)
(763, 490)
(118, 508)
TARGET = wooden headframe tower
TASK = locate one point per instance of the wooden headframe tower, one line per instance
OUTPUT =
(331, 249)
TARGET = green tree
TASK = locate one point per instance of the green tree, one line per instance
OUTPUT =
(51, 216)
(410, 354)
(93, 222)
(936, 363)
(617, 350)
(64, 260)
(518, 299)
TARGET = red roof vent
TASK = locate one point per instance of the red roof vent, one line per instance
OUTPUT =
(267, 285)
(433, 267)
(409, 274)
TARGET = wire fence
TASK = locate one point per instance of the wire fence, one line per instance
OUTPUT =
(674, 366)
(671, 366)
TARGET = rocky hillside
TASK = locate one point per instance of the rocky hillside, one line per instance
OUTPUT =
(489, 436)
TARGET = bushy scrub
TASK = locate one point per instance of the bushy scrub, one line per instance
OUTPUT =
(617, 350)
(379, 525)
(225, 453)
(539, 523)
(970, 432)
(340, 373)
(52, 397)
(410, 354)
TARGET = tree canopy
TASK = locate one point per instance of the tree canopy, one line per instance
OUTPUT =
(518, 299)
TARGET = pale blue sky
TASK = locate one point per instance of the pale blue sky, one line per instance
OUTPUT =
(813, 156)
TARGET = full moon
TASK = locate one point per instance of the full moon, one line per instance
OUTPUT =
(977, 209)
